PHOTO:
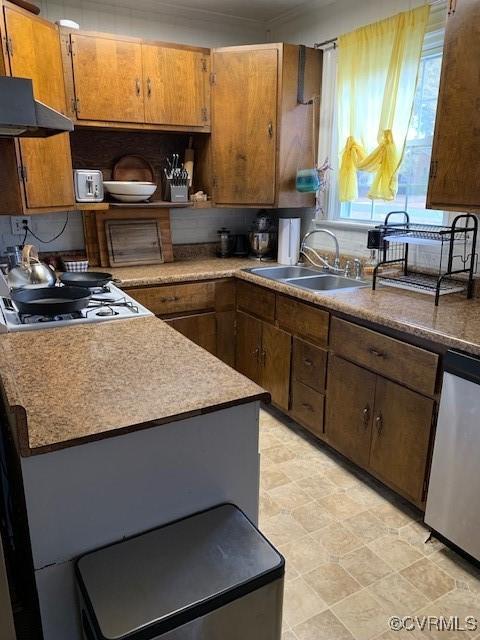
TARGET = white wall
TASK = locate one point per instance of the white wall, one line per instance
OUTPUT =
(157, 21)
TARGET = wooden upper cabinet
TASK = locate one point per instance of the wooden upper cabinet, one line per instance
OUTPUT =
(176, 86)
(45, 164)
(245, 125)
(455, 170)
(107, 76)
(260, 134)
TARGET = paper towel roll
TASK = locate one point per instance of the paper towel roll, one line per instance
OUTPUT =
(288, 241)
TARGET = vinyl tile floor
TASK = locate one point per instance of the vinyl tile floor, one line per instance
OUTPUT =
(356, 554)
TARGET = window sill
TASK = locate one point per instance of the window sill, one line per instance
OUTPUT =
(347, 225)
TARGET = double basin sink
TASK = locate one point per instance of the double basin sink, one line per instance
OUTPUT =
(305, 278)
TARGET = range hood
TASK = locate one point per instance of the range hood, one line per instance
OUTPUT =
(21, 116)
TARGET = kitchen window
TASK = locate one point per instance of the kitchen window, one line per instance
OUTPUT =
(415, 167)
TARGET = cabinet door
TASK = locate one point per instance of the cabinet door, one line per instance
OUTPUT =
(244, 126)
(107, 74)
(455, 170)
(174, 86)
(350, 402)
(275, 362)
(400, 439)
(47, 162)
(200, 328)
(248, 346)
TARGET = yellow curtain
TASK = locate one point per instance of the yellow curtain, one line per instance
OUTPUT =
(376, 79)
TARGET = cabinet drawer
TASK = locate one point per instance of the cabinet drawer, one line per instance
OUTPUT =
(394, 359)
(196, 296)
(302, 320)
(257, 301)
(307, 407)
(309, 364)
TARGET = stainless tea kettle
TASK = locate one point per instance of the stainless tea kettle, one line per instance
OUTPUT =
(31, 272)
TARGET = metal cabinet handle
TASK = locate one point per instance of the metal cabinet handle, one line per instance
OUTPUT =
(264, 357)
(374, 352)
(256, 353)
(366, 416)
(169, 299)
(307, 406)
(137, 87)
(307, 362)
(149, 87)
(270, 130)
(379, 423)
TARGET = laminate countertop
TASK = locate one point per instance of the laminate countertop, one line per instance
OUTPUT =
(186, 270)
(74, 384)
(455, 323)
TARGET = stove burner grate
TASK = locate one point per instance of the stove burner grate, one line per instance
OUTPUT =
(28, 318)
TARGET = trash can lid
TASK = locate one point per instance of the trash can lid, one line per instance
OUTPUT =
(157, 581)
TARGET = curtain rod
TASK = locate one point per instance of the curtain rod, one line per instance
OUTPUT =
(333, 41)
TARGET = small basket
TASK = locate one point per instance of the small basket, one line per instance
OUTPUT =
(76, 265)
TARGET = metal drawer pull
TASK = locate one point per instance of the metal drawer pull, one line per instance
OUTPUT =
(379, 421)
(270, 130)
(374, 352)
(366, 416)
(149, 87)
(307, 362)
(137, 87)
(169, 299)
(264, 357)
(307, 406)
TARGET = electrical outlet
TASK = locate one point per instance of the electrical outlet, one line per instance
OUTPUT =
(19, 223)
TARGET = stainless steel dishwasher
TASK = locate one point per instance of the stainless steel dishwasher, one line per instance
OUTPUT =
(453, 506)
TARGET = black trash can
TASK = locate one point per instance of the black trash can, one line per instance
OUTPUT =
(210, 576)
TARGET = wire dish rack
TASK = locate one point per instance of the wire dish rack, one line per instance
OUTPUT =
(457, 254)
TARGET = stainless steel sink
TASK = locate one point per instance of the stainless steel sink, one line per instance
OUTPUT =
(327, 282)
(282, 273)
(305, 278)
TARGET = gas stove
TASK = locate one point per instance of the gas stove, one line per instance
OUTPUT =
(106, 304)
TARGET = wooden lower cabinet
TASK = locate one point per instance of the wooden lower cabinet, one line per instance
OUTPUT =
(401, 438)
(350, 403)
(248, 346)
(204, 312)
(275, 364)
(382, 426)
(200, 328)
(263, 354)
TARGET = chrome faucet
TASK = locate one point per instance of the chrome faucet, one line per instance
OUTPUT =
(323, 262)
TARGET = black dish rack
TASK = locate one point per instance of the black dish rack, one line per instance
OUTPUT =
(457, 243)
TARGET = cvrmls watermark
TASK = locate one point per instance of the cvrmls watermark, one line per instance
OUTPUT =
(433, 623)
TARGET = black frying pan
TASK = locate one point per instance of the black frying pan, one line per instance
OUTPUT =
(89, 279)
(50, 301)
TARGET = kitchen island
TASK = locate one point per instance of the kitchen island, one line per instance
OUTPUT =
(120, 427)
